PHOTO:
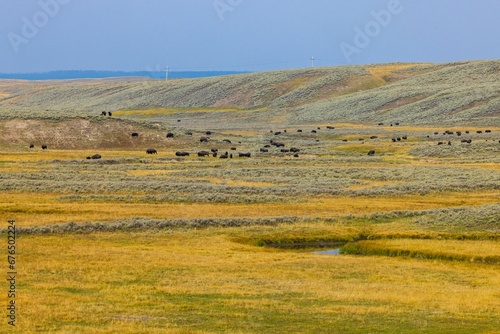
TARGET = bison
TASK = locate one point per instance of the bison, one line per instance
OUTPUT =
(135, 134)
(204, 139)
(44, 147)
(182, 154)
(151, 151)
(277, 133)
(264, 150)
(226, 141)
(313, 131)
(246, 155)
(208, 133)
(170, 135)
(96, 156)
(32, 145)
(110, 114)
(371, 152)
(294, 149)
(203, 154)
(295, 155)
(373, 137)
(299, 130)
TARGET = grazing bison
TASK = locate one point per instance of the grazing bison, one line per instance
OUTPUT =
(404, 137)
(189, 133)
(44, 147)
(284, 150)
(277, 133)
(178, 120)
(135, 134)
(436, 133)
(313, 131)
(208, 133)
(318, 128)
(398, 139)
(214, 155)
(330, 127)
(226, 141)
(380, 123)
(214, 150)
(371, 152)
(96, 156)
(32, 145)
(373, 137)
(393, 140)
(294, 149)
(466, 141)
(264, 150)
(182, 154)
(396, 123)
(487, 131)
(151, 151)
(203, 154)
(233, 148)
(295, 155)
(299, 130)
(103, 113)
(284, 130)
(278, 144)
(244, 155)
(479, 131)
(449, 142)
(267, 146)
(204, 139)
(110, 114)
(89, 157)
(224, 156)
(344, 140)
(170, 135)
(440, 143)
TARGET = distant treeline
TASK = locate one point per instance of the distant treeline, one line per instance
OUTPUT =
(59, 75)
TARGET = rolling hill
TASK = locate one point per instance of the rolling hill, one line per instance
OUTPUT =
(423, 94)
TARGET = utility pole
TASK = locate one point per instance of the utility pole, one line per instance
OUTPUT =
(166, 74)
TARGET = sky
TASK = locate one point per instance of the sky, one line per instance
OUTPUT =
(241, 35)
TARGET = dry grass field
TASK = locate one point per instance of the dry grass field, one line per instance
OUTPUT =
(158, 243)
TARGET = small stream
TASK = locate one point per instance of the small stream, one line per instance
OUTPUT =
(328, 252)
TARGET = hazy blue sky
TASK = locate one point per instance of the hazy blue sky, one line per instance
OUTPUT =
(44, 35)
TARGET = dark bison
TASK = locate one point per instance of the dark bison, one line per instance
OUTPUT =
(440, 143)
(246, 155)
(396, 123)
(224, 156)
(103, 113)
(226, 141)
(404, 137)
(299, 130)
(135, 134)
(313, 131)
(96, 156)
(479, 131)
(294, 149)
(373, 137)
(380, 123)
(181, 154)
(151, 151)
(330, 127)
(214, 150)
(170, 135)
(279, 144)
(284, 150)
(178, 120)
(393, 140)
(208, 133)
(189, 133)
(204, 139)
(264, 150)
(32, 145)
(44, 147)
(466, 141)
(371, 152)
(487, 131)
(449, 142)
(233, 148)
(277, 133)
(110, 114)
(203, 154)
(295, 155)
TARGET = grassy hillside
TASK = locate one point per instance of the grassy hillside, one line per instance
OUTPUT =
(412, 93)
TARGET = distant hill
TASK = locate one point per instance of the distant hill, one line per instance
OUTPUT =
(451, 93)
(63, 75)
